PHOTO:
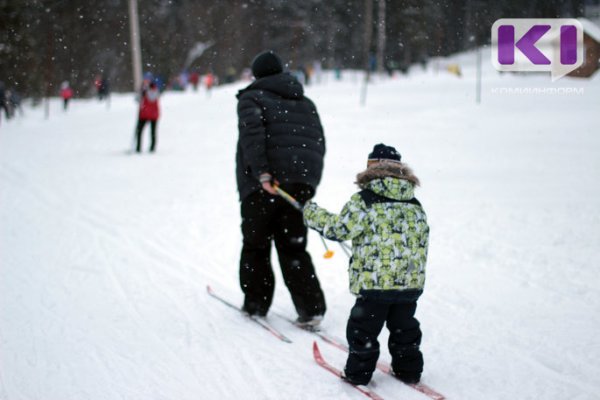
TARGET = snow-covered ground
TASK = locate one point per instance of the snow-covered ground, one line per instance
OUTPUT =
(105, 256)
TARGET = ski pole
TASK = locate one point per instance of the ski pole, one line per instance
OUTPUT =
(345, 248)
(290, 199)
(328, 253)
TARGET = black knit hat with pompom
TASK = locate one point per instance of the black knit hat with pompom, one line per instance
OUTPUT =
(383, 152)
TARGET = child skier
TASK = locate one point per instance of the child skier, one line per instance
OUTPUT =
(390, 236)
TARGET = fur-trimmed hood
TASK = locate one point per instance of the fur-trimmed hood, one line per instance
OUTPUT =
(384, 169)
(389, 179)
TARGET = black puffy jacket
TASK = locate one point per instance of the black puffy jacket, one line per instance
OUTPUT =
(279, 132)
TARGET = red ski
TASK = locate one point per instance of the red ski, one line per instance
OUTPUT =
(321, 361)
(420, 387)
(258, 320)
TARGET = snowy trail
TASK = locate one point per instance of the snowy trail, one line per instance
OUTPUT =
(105, 256)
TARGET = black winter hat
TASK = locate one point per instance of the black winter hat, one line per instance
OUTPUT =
(383, 152)
(265, 64)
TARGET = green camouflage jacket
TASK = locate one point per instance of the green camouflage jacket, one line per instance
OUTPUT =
(387, 226)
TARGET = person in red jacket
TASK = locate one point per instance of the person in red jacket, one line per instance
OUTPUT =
(66, 93)
(149, 112)
(194, 80)
(209, 81)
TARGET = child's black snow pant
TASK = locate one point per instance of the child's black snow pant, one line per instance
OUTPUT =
(267, 218)
(364, 325)
(138, 132)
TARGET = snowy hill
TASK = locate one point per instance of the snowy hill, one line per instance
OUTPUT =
(105, 256)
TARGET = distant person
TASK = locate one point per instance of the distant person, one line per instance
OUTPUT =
(15, 101)
(246, 74)
(8, 104)
(66, 93)
(209, 81)
(183, 79)
(160, 83)
(230, 75)
(149, 112)
(390, 236)
(308, 72)
(300, 74)
(280, 141)
(146, 79)
(97, 85)
(337, 71)
(4, 101)
(102, 87)
(175, 84)
(104, 90)
(194, 80)
(317, 70)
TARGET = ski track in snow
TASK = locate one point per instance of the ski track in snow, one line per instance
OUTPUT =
(105, 256)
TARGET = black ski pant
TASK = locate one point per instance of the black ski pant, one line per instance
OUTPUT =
(267, 218)
(138, 133)
(364, 326)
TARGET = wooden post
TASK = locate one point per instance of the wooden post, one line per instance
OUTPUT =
(367, 49)
(136, 48)
(381, 38)
(478, 79)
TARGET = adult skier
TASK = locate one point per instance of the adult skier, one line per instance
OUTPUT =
(280, 142)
